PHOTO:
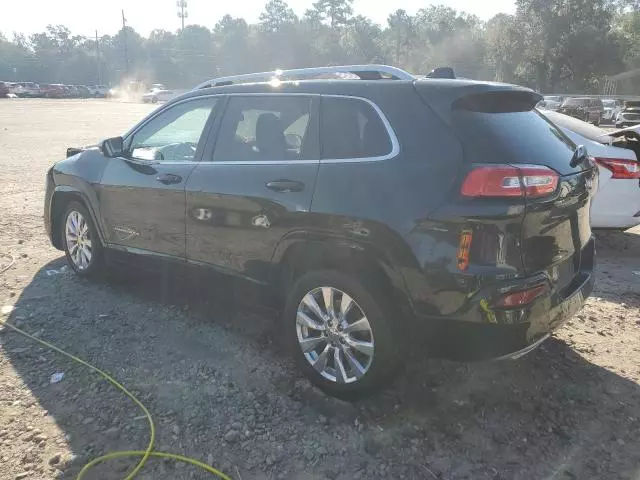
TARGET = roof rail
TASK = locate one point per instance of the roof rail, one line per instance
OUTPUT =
(363, 72)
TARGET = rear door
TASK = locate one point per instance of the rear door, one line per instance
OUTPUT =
(256, 183)
(504, 128)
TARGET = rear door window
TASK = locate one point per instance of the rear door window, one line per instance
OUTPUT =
(351, 128)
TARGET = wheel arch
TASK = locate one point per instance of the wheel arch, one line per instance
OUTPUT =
(61, 197)
(296, 256)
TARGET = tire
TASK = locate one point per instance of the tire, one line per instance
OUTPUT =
(597, 122)
(77, 217)
(154, 99)
(374, 371)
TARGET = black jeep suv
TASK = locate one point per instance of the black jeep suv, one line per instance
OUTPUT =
(384, 208)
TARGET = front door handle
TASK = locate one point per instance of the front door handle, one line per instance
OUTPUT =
(285, 185)
(169, 178)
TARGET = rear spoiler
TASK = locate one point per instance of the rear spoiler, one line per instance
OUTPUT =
(445, 95)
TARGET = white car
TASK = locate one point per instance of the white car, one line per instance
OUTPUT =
(155, 96)
(617, 203)
(99, 91)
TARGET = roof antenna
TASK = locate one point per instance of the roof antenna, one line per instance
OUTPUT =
(441, 72)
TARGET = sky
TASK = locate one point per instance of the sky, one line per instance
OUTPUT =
(83, 17)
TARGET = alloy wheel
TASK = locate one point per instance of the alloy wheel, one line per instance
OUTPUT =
(78, 240)
(335, 335)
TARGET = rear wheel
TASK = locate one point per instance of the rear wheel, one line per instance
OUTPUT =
(339, 335)
(80, 241)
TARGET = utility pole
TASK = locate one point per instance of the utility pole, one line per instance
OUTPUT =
(182, 12)
(98, 59)
(126, 53)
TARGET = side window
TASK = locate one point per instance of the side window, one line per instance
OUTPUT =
(351, 128)
(173, 135)
(266, 128)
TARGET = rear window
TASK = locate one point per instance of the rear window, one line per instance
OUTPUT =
(511, 132)
(351, 128)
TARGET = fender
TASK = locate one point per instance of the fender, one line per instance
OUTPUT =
(62, 190)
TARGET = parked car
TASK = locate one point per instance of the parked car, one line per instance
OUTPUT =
(589, 110)
(154, 96)
(552, 102)
(83, 91)
(72, 91)
(629, 115)
(99, 91)
(617, 204)
(54, 90)
(27, 89)
(611, 109)
(381, 212)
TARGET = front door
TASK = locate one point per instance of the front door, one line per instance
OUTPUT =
(256, 186)
(142, 194)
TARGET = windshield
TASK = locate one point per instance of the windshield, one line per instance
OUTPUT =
(609, 103)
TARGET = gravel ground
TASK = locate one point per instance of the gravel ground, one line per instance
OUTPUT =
(204, 357)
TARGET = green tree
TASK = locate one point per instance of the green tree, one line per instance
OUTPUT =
(336, 12)
(400, 34)
(276, 16)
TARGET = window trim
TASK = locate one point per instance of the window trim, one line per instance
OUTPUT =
(127, 137)
(395, 145)
(308, 161)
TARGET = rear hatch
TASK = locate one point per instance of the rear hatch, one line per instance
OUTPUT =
(539, 171)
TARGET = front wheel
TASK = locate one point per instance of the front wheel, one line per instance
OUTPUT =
(80, 241)
(339, 334)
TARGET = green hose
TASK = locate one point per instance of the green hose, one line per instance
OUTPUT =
(145, 454)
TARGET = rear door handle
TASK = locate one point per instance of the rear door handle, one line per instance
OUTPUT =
(285, 185)
(169, 178)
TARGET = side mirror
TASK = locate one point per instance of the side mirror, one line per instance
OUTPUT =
(112, 147)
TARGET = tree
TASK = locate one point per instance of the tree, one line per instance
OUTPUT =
(337, 12)
(568, 45)
(231, 37)
(276, 15)
(362, 41)
(400, 33)
(504, 46)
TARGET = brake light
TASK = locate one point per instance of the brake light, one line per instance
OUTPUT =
(518, 299)
(620, 168)
(509, 181)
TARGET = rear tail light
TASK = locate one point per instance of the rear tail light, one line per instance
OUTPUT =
(521, 298)
(509, 181)
(620, 168)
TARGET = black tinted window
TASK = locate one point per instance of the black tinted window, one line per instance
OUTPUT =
(351, 128)
(513, 137)
(266, 128)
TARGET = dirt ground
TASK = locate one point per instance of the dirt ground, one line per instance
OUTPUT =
(206, 362)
